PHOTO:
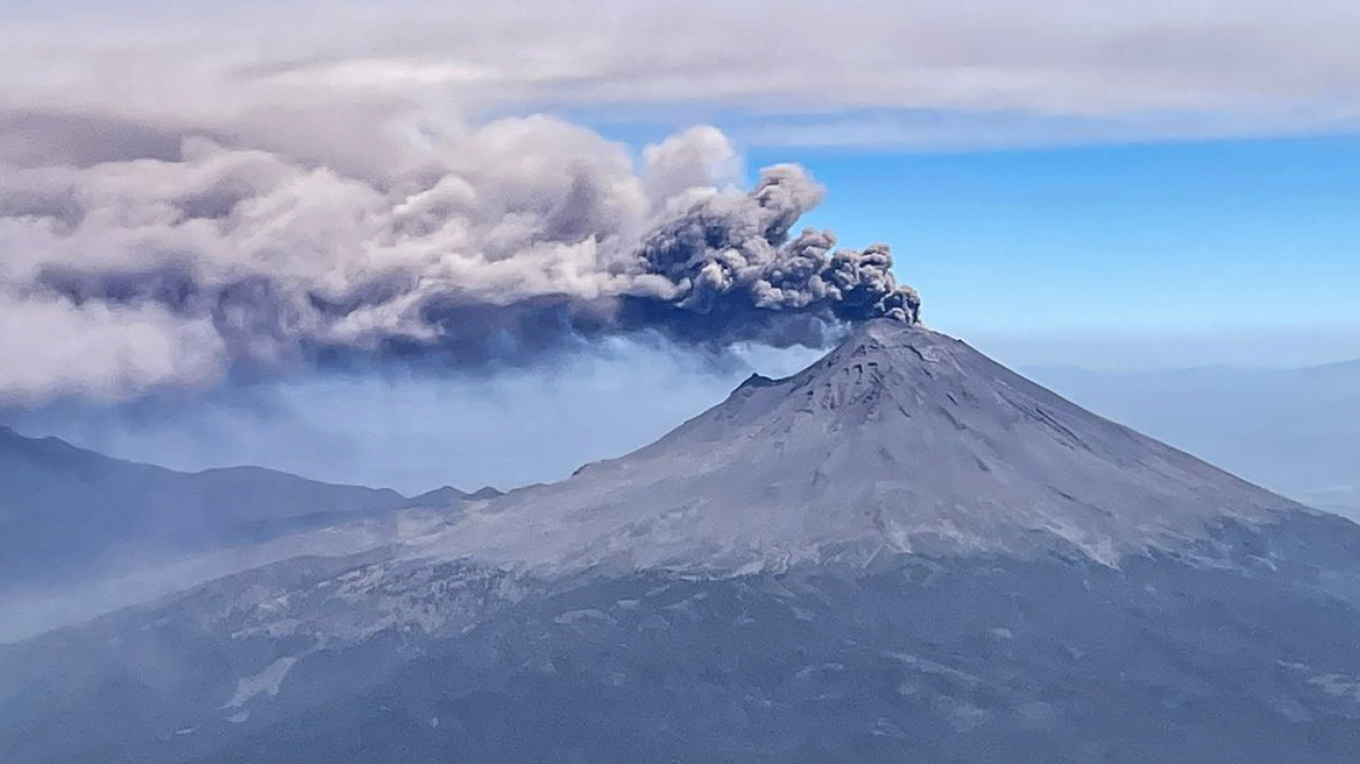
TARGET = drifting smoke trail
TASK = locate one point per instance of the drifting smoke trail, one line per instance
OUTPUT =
(499, 245)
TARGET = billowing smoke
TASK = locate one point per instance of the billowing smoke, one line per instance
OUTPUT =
(501, 244)
(728, 256)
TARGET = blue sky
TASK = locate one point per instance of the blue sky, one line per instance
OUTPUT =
(1159, 239)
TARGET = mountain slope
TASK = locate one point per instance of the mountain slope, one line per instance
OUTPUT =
(1296, 431)
(905, 553)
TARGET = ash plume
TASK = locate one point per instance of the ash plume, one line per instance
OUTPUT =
(501, 244)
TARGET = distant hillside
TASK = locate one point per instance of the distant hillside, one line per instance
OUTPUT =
(65, 510)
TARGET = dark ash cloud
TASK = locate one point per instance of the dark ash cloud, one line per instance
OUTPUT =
(497, 245)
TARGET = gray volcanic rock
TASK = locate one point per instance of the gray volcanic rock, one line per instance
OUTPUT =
(905, 553)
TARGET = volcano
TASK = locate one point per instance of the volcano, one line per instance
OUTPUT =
(904, 553)
(901, 440)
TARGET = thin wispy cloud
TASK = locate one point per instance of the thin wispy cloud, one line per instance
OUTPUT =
(1094, 71)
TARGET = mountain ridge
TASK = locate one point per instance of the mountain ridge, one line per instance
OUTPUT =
(65, 511)
(1290, 430)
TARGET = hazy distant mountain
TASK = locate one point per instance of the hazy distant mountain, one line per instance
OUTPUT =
(905, 553)
(448, 495)
(1295, 431)
(65, 511)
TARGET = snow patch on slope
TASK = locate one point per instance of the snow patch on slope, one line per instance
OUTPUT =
(267, 682)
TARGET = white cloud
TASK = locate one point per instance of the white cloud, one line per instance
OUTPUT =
(53, 348)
